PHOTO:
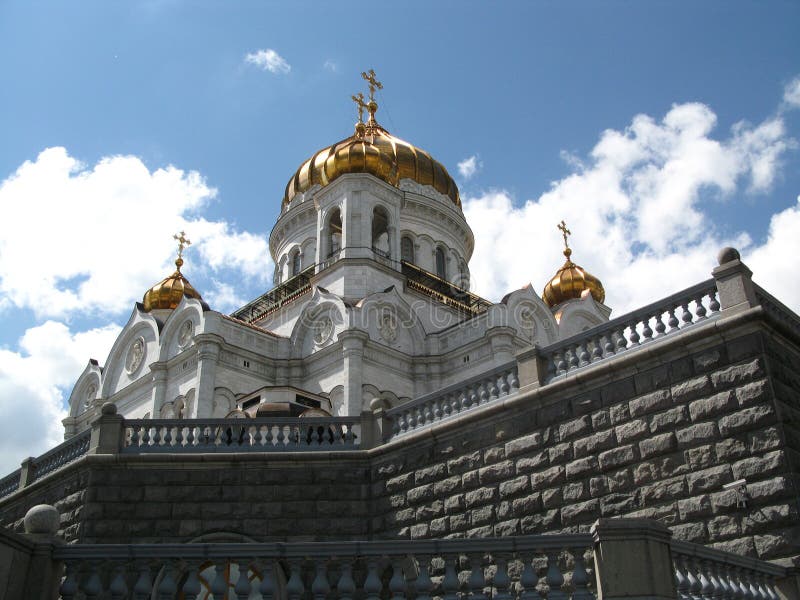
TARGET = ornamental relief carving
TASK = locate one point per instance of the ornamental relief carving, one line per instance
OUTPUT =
(135, 356)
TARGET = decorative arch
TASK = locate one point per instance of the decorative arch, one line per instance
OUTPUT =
(320, 322)
(390, 321)
(118, 372)
(532, 319)
(86, 389)
(182, 325)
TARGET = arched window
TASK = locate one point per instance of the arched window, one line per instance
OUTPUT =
(380, 231)
(296, 263)
(407, 249)
(441, 271)
(335, 232)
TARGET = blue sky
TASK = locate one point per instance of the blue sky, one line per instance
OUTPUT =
(660, 131)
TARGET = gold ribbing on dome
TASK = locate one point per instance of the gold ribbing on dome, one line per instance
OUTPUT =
(372, 150)
(571, 280)
(169, 292)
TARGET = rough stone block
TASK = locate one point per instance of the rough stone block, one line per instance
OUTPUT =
(747, 418)
(574, 491)
(713, 405)
(459, 522)
(515, 486)
(400, 482)
(759, 466)
(480, 532)
(420, 531)
(694, 435)
(429, 474)
(439, 527)
(691, 389)
(742, 546)
(652, 402)
(707, 360)
(531, 463)
(631, 431)
(737, 374)
(771, 489)
(526, 505)
(552, 498)
(701, 457)
(601, 419)
(420, 494)
(470, 480)
(593, 444)
(454, 504)
(617, 504)
(752, 392)
(698, 506)
(580, 512)
(482, 515)
(616, 457)
(581, 466)
(730, 449)
(540, 522)
(620, 413)
(668, 489)
(560, 453)
(447, 486)
(496, 472)
(724, 526)
(658, 444)
(619, 481)
(669, 419)
(763, 439)
(597, 487)
(462, 463)
(506, 528)
(480, 496)
(430, 511)
(695, 533)
(777, 544)
(492, 455)
(525, 444)
(548, 477)
(574, 428)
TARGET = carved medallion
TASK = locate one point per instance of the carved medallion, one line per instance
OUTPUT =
(323, 329)
(388, 326)
(135, 355)
(91, 392)
(185, 333)
(527, 321)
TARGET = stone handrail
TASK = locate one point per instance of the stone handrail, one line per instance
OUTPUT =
(61, 455)
(654, 321)
(777, 309)
(455, 399)
(10, 483)
(706, 573)
(241, 435)
(525, 567)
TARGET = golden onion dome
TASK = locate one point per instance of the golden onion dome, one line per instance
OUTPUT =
(169, 292)
(571, 280)
(372, 149)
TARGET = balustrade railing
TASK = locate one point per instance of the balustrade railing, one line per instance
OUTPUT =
(453, 400)
(242, 435)
(61, 455)
(654, 321)
(525, 567)
(10, 483)
(703, 573)
(777, 309)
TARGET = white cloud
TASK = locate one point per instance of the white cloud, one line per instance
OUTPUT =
(268, 60)
(468, 167)
(118, 242)
(223, 297)
(637, 207)
(791, 93)
(331, 65)
(32, 384)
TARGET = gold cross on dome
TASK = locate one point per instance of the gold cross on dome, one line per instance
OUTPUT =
(374, 84)
(359, 100)
(562, 227)
(183, 241)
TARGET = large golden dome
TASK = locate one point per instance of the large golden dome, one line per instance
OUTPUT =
(372, 149)
(169, 292)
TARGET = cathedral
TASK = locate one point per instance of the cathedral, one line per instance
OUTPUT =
(371, 405)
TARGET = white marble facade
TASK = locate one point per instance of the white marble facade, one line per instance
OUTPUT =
(360, 337)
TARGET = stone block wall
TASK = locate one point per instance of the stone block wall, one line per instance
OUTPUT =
(656, 442)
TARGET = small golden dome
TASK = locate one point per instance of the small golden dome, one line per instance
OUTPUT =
(571, 280)
(168, 292)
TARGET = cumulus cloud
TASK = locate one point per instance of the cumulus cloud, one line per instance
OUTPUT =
(121, 218)
(268, 60)
(32, 379)
(637, 207)
(468, 167)
(791, 93)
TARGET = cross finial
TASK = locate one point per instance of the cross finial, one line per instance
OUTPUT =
(183, 241)
(374, 84)
(359, 100)
(562, 227)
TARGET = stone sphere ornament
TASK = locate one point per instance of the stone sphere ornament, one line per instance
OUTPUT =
(42, 519)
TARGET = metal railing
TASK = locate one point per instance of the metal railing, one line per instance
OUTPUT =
(286, 292)
(778, 309)
(261, 434)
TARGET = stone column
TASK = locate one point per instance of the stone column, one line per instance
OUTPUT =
(208, 351)
(734, 282)
(633, 559)
(353, 341)
(531, 368)
(159, 371)
(107, 431)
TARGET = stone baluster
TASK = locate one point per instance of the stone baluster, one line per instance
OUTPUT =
(423, 583)
(167, 588)
(622, 341)
(346, 586)
(397, 584)
(554, 578)
(411, 418)
(502, 582)
(145, 436)
(608, 345)
(494, 387)
(438, 412)
(752, 591)
(450, 582)
(700, 310)
(243, 586)
(118, 588)
(634, 337)
(179, 436)
(660, 326)
(372, 584)
(457, 400)
(737, 591)
(583, 354)
(474, 397)
(267, 586)
(713, 303)
(92, 586)
(529, 580)
(156, 437)
(672, 321)
(134, 439)
(191, 437)
(320, 587)
(598, 345)
(681, 580)
(143, 587)
(503, 386)
(573, 361)
(580, 578)
(686, 316)
(294, 587)
(560, 363)
(721, 573)
(219, 585)
(706, 585)
(69, 587)
(647, 332)
(476, 581)
(513, 379)
(191, 587)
